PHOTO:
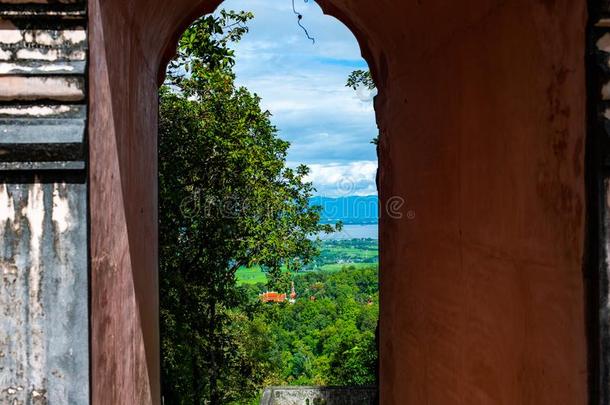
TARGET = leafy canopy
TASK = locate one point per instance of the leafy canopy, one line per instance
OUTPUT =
(360, 78)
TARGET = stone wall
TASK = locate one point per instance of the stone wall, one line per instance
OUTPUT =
(44, 338)
(319, 396)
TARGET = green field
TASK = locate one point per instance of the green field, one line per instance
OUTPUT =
(339, 266)
(253, 275)
(334, 255)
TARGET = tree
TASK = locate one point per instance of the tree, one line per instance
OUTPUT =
(360, 78)
(329, 340)
(226, 199)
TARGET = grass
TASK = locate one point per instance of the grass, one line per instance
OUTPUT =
(339, 266)
(354, 251)
(255, 275)
(344, 253)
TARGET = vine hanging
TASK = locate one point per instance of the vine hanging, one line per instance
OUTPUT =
(299, 18)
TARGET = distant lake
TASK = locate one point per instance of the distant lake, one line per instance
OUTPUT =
(369, 231)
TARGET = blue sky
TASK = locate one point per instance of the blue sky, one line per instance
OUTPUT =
(329, 125)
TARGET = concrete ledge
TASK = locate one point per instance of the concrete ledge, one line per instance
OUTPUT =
(35, 42)
(41, 166)
(27, 88)
(307, 395)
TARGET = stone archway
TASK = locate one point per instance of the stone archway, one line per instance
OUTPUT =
(482, 110)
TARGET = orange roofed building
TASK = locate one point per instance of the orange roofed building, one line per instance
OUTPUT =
(272, 296)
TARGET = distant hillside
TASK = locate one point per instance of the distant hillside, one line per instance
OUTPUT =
(351, 210)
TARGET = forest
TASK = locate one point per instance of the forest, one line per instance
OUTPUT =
(327, 337)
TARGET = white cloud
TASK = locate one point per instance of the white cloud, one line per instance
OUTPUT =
(329, 125)
(334, 179)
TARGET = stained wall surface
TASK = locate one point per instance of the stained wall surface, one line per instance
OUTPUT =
(44, 289)
(44, 340)
(482, 114)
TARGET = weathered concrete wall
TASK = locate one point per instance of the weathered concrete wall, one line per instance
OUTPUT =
(44, 337)
(43, 50)
(319, 396)
(482, 114)
(44, 348)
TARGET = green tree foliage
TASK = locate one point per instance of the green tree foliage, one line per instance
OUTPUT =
(226, 199)
(328, 336)
(360, 78)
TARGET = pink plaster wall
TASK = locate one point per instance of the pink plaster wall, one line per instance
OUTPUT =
(482, 110)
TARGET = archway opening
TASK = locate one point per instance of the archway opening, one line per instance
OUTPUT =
(269, 268)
